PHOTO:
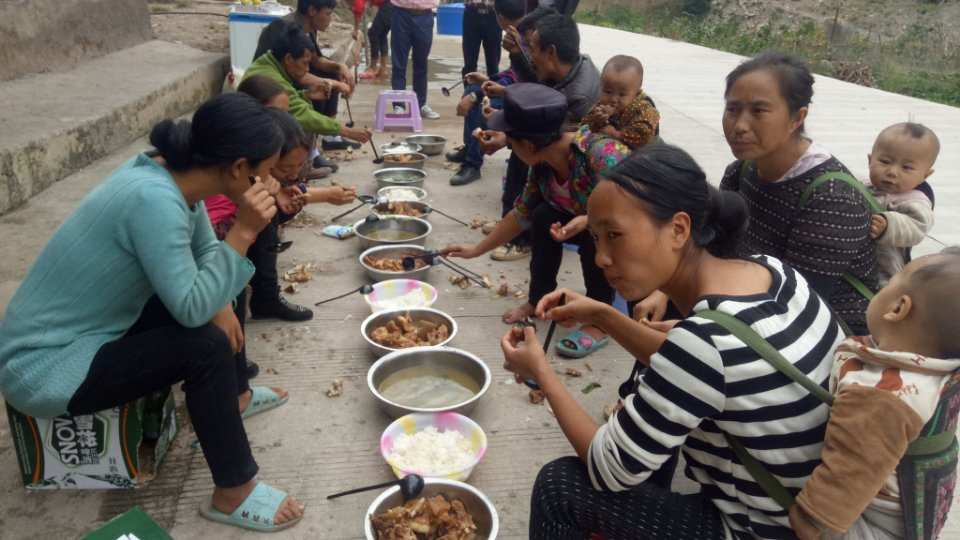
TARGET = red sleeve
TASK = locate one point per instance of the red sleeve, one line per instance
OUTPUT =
(358, 7)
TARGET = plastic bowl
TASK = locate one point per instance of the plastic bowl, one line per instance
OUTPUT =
(424, 294)
(445, 421)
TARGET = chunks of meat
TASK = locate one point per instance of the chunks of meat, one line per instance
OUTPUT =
(435, 518)
(403, 332)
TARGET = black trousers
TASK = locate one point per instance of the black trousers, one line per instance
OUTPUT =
(265, 284)
(378, 32)
(481, 28)
(564, 505)
(327, 107)
(156, 353)
(513, 184)
(547, 254)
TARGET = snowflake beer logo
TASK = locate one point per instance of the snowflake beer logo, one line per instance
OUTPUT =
(78, 440)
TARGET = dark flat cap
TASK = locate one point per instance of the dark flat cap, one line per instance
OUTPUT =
(530, 108)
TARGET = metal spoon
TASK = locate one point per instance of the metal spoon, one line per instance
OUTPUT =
(410, 262)
(446, 91)
(546, 343)
(364, 200)
(410, 486)
(448, 216)
(363, 289)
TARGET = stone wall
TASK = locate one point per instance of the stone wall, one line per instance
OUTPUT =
(40, 36)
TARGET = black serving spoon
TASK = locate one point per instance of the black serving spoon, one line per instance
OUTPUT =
(363, 289)
(446, 91)
(376, 157)
(350, 124)
(364, 200)
(546, 342)
(448, 216)
(410, 486)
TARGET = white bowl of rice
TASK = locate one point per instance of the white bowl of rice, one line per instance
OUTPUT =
(433, 445)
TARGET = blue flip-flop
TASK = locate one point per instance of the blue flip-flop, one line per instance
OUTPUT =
(255, 512)
(579, 344)
(262, 399)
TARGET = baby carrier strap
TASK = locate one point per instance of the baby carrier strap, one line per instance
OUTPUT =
(927, 472)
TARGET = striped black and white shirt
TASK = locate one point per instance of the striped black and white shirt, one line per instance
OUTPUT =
(704, 381)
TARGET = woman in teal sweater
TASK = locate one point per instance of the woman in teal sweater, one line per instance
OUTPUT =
(133, 294)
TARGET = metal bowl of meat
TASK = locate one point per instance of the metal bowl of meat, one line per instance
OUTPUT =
(431, 145)
(399, 177)
(483, 521)
(391, 230)
(399, 147)
(383, 263)
(402, 194)
(402, 208)
(398, 329)
(410, 160)
(428, 380)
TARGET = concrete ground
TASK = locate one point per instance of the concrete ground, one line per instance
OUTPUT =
(316, 445)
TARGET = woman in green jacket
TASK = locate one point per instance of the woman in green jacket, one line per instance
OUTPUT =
(133, 293)
(289, 61)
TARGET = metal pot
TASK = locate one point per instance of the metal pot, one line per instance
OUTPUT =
(399, 146)
(400, 177)
(416, 160)
(382, 209)
(477, 504)
(431, 145)
(402, 250)
(367, 229)
(387, 193)
(381, 318)
(442, 357)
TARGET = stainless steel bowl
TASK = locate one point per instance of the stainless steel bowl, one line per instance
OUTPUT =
(385, 193)
(401, 250)
(399, 146)
(480, 507)
(382, 209)
(443, 357)
(431, 145)
(365, 228)
(399, 176)
(383, 317)
(416, 160)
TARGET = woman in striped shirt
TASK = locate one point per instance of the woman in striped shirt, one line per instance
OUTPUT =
(659, 225)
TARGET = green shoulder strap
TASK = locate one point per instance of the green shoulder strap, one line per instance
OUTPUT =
(846, 179)
(768, 352)
(875, 207)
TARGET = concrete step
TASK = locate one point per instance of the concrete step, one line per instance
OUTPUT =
(54, 124)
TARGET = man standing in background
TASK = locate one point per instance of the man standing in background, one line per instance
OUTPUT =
(480, 27)
(412, 30)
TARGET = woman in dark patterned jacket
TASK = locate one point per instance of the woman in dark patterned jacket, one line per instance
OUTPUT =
(827, 236)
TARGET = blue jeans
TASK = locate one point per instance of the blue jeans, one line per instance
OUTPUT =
(472, 121)
(408, 31)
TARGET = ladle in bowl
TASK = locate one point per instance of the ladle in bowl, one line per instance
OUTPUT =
(410, 486)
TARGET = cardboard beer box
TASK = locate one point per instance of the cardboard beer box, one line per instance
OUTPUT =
(93, 451)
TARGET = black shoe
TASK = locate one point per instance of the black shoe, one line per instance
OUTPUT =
(322, 161)
(253, 369)
(466, 174)
(457, 156)
(330, 145)
(279, 308)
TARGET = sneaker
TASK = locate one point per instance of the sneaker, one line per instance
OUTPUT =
(279, 308)
(321, 161)
(429, 113)
(399, 109)
(458, 155)
(510, 252)
(466, 175)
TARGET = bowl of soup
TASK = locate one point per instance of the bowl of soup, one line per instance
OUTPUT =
(428, 380)
(391, 230)
(399, 176)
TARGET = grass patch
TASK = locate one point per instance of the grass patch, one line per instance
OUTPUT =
(908, 65)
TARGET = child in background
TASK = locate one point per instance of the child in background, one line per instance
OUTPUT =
(376, 37)
(887, 387)
(900, 162)
(624, 111)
